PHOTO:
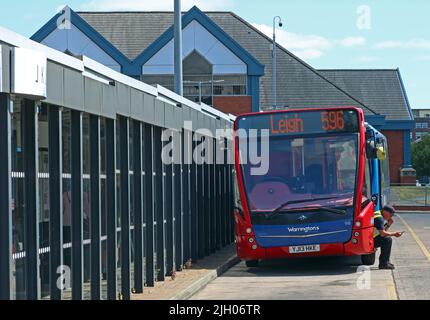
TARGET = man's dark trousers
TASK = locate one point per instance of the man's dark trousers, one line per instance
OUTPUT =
(385, 243)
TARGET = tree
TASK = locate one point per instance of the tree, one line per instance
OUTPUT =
(421, 156)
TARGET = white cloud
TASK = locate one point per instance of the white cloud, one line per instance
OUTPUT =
(368, 59)
(148, 5)
(409, 44)
(423, 58)
(308, 46)
(304, 46)
(419, 44)
(353, 42)
(388, 44)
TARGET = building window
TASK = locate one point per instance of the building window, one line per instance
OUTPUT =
(200, 82)
(422, 125)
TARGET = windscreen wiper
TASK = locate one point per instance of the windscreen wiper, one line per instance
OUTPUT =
(278, 209)
(332, 210)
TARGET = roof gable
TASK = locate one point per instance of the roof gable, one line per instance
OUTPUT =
(86, 29)
(254, 66)
(76, 43)
(196, 38)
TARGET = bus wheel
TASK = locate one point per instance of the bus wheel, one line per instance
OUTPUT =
(252, 263)
(368, 259)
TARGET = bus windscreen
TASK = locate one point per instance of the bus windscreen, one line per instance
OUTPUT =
(310, 155)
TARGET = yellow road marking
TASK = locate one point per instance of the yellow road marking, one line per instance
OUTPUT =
(391, 288)
(417, 239)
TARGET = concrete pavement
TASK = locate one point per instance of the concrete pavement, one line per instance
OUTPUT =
(412, 258)
(192, 279)
(336, 278)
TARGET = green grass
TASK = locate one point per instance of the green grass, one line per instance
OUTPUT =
(411, 193)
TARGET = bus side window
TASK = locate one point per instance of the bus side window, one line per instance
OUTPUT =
(367, 190)
(384, 166)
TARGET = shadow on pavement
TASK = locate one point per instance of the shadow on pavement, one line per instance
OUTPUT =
(304, 267)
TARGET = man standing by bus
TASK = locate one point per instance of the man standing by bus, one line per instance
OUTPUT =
(383, 238)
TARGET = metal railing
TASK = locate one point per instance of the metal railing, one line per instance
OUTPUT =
(410, 196)
(134, 220)
(88, 209)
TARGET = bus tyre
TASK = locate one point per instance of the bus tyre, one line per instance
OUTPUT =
(252, 263)
(368, 259)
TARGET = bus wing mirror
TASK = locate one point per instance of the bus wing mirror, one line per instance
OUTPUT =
(381, 154)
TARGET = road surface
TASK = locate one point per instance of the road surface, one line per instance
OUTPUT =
(338, 277)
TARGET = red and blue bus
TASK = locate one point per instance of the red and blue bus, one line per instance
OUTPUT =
(326, 174)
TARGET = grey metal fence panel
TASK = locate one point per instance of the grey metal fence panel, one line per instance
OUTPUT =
(178, 205)
(168, 215)
(55, 84)
(125, 207)
(109, 102)
(207, 211)
(5, 66)
(212, 194)
(93, 96)
(137, 105)
(138, 207)
(160, 113)
(74, 92)
(169, 116)
(111, 209)
(123, 101)
(186, 200)
(55, 199)
(31, 199)
(149, 109)
(95, 210)
(158, 204)
(149, 203)
(178, 118)
(5, 199)
(194, 231)
(77, 205)
(200, 207)
(186, 115)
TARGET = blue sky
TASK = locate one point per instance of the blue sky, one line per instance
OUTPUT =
(326, 34)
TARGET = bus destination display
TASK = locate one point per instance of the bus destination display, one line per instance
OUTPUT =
(306, 122)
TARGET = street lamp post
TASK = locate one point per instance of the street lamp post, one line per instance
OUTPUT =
(274, 69)
(178, 49)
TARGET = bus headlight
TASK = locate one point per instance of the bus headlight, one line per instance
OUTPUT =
(358, 224)
(354, 241)
(251, 240)
(248, 230)
(357, 234)
(254, 247)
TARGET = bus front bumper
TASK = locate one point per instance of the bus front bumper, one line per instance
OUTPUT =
(360, 244)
